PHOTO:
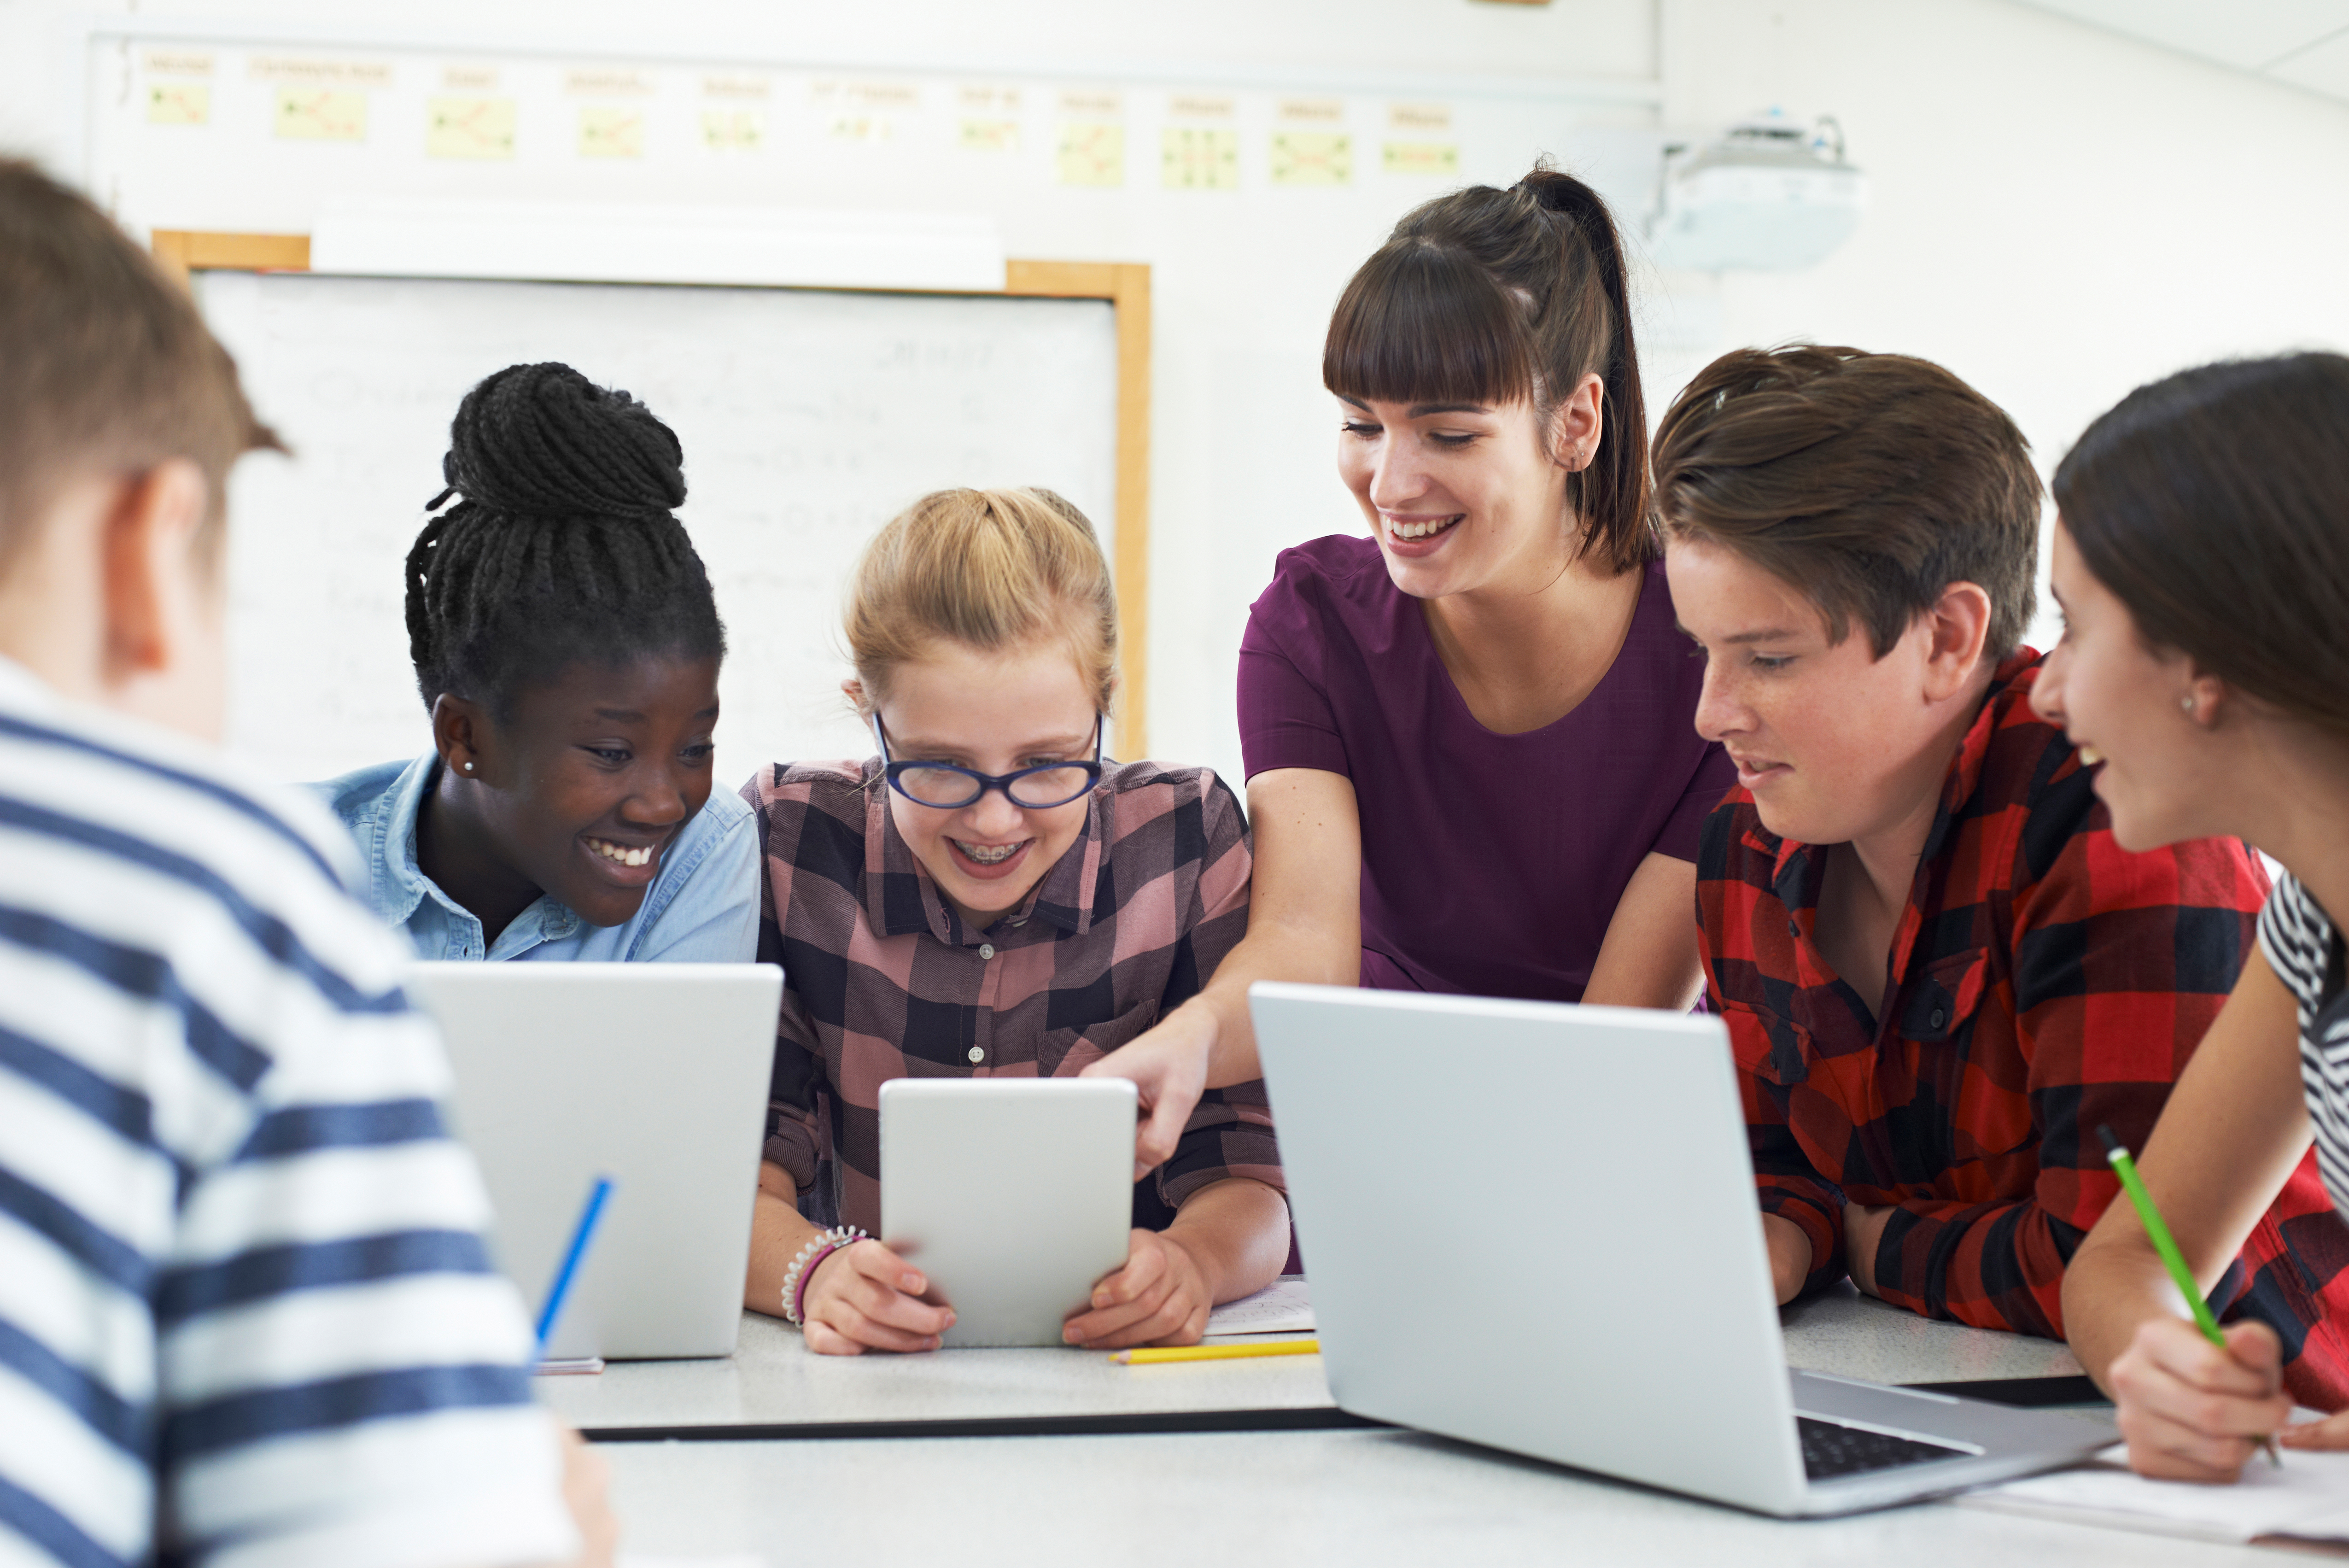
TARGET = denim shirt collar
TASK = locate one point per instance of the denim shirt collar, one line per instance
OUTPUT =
(397, 884)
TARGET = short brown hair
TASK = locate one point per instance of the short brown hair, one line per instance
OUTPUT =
(1868, 481)
(105, 365)
(989, 569)
(1488, 295)
(2215, 504)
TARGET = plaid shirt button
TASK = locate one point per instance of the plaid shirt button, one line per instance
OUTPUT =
(977, 1054)
(986, 950)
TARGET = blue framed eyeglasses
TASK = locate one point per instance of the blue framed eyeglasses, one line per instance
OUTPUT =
(950, 788)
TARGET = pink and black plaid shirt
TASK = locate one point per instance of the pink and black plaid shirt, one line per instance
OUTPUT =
(883, 981)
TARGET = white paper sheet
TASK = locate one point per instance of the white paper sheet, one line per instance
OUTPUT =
(2307, 1498)
(1281, 1307)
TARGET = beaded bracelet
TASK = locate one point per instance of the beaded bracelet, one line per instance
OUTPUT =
(802, 1269)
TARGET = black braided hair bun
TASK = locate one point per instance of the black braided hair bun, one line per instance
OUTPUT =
(545, 442)
(563, 543)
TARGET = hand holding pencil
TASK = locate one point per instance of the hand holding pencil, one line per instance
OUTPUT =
(2194, 1398)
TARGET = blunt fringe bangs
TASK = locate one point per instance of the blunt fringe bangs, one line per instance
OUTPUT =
(1422, 323)
(1487, 296)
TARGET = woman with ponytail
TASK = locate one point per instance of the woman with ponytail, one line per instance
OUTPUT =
(1472, 765)
(566, 644)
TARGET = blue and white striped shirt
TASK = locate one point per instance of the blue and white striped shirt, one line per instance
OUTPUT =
(246, 1318)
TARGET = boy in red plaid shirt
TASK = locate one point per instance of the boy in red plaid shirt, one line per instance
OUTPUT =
(1938, 970)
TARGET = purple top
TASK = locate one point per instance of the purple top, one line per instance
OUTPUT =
(1491, 864)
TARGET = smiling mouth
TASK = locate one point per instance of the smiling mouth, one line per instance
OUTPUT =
(622, 854)
(1417, 528)
(989, 853)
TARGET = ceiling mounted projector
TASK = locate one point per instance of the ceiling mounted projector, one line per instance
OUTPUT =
(1768, 195)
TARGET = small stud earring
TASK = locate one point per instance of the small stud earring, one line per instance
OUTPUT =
(469, 767)
(2185, 704)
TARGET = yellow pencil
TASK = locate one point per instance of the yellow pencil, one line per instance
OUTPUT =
(1220, 1352)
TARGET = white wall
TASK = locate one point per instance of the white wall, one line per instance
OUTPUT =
(2058, 213)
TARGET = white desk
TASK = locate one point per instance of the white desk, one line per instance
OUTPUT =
(773, 1380)
(1357, 1498)
(1273, 1499)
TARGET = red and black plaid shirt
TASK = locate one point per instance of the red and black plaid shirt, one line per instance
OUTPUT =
(2043, 980)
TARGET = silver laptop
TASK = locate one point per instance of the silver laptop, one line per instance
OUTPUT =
(1014, 1195)
(1533, 1225)
(654, 1075)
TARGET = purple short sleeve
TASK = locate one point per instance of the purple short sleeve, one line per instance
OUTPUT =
(1716, 776)
(1285, 718)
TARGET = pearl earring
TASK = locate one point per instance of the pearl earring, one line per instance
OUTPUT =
(469, 767)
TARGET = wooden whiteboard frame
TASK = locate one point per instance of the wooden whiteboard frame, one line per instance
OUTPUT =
(1124, 284)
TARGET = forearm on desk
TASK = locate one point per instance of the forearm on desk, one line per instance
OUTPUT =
(778, 1232)
(1237, 1230)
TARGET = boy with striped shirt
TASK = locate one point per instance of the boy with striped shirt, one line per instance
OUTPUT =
(245, 1312)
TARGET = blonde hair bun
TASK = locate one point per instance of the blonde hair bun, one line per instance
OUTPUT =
(991, 569)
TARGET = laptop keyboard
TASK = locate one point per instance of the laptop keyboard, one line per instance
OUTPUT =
(1829, 1450)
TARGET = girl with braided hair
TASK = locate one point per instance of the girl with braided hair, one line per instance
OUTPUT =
(567, 646)
(1468, 736)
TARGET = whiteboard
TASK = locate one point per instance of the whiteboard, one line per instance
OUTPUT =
(809, 417)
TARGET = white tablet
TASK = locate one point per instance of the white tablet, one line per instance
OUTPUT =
(1013, 1195)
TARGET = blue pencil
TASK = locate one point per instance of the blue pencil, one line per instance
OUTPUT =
(583, 1233)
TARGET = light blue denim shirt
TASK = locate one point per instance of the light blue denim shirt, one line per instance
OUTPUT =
(702, 908)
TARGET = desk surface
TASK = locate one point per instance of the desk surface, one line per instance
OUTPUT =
(1362, 1499)
(771, 1378)
(1281, 1499)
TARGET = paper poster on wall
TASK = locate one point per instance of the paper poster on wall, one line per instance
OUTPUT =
(178, 103)
(1312, 158)
(988, 136)
(177, 91)
(1092, 153)
(313, 114)
(1199, 158)
(1425, 158)
(733, 130)
(611, 130)
(989, 119)
(470, 127)
(735, 123)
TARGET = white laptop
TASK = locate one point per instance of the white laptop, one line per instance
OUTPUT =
(1013, 1195)
(654, 1075)
(1533, 1225)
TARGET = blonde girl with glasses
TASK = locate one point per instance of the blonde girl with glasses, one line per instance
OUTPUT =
(988, 896)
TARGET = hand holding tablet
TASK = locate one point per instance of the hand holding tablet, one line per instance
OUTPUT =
(1012, 1200)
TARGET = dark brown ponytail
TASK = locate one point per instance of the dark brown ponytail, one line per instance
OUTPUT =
(2215, 504)
(1488, 295)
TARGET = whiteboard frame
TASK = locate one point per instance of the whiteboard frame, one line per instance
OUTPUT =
(1125, 286)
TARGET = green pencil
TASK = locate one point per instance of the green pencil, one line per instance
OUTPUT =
(2167, 1245)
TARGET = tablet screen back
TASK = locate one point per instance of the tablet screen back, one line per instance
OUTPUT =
(1013, 1195)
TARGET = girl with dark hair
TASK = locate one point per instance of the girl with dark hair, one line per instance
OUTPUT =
(1469, 736)
(567, 644)
(2202, 563)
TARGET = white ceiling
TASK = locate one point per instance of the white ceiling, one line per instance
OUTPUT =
(2302, 41)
